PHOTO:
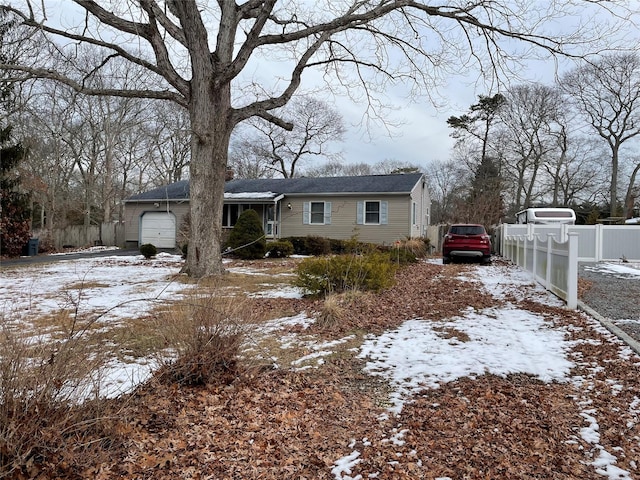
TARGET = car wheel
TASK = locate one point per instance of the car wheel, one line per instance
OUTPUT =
(486, 261)
(446, 260)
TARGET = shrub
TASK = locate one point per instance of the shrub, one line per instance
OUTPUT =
(338, 247)
(247, 239)
(402, 256)
(48, 401)
(279, 249)
(317, 245)
(299, 245)
(340, 273)
(205, 334)
(45, 243)
(148, 250)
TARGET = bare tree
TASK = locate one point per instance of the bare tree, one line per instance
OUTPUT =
(574, 172)
(246, 158)
(607, 92)
(50, 165)
(339, 169)
(529, 118)
(390, 166)
(200, 55)
(169, 132)
(633, 191)
(315, 126)
(447, 181)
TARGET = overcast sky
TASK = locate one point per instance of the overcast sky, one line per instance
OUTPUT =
(423, 135)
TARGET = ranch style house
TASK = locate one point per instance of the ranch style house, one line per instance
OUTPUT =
(379, 209)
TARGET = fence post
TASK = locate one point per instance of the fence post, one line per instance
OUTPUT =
(572, 274)
(547, 273)
(535, 257)
(598, 241)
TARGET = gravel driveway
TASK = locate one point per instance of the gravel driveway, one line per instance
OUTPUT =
(614, 292)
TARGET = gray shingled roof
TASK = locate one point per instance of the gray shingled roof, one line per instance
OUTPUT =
(401, 183)
(174, 191)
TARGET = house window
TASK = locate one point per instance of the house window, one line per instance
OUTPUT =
(316, 213)
(230, 214)
(371, 212)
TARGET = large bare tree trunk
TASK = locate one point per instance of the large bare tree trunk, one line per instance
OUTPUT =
(209, 151)
(613, 193)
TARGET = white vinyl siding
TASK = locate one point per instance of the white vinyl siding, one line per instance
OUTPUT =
(316, 213)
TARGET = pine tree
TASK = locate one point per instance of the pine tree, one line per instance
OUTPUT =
(14, 205)
(247, 237)
(15, 215)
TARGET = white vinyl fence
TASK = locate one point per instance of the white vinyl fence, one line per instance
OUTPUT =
(596, 243)
(551, 253)
(552, 261)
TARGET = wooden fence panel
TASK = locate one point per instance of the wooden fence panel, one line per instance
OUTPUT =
(107, 234)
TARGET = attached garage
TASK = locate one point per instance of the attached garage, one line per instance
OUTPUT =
(159, 229)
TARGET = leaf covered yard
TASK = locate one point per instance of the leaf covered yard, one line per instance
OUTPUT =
(457, 371)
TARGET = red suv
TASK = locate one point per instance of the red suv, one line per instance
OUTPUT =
(466, 240)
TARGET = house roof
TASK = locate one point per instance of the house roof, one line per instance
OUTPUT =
(270, 187)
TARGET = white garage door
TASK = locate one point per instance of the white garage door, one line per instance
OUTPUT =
(159, 229)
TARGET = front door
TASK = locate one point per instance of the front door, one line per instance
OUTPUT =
(270, 221)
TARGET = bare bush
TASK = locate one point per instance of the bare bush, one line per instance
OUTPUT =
(49, 397)
(203, 336)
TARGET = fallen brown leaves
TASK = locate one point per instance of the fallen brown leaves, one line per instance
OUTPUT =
(282, 424)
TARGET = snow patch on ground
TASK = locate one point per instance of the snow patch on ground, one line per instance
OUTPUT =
(425, 354)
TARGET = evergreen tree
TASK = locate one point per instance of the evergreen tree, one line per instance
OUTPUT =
(483, 203)
(14, 205)
(485, 198)
(247, 238)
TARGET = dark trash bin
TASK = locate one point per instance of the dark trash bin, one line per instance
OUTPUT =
(32, 247)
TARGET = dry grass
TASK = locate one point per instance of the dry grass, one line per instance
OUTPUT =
(417, 246)
(50, 371)
(264, 273)
(47, 389)
(333, 311)
(202, 337)
(85, 285)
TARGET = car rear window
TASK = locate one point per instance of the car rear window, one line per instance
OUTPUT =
(467, 230)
